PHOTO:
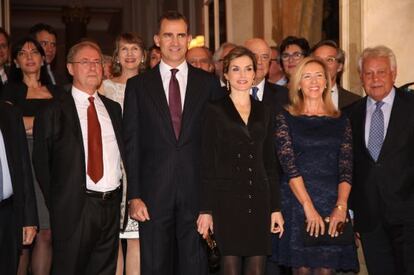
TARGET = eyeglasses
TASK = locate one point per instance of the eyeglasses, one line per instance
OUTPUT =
(88, 63)
(27, 54)
(330, 60)
(294, 56)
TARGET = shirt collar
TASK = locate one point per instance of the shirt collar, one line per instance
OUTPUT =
(388, 100)
(166, 69)
(334, 88)
(80, 95)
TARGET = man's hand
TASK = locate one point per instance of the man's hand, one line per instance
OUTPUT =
(29, 232)
(138, 210)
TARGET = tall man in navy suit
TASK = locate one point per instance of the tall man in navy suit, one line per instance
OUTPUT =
(382, 195)
(162, 125)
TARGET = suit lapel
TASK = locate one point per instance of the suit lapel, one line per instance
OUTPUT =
(71, 114)
(359, 125)
(395, 125)
(7, 138)
(192, 98)
(156, 91)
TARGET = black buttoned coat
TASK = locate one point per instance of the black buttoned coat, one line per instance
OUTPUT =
(239, 177)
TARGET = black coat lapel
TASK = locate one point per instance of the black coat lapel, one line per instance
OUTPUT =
(234, 115)
(7, 139)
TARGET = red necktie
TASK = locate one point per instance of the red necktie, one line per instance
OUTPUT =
(174, 99)
(95, 160)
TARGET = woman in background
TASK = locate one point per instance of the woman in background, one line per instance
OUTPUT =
(314, 145)
(240, 188)
(292, 51)
(31, 90)
(127, 61)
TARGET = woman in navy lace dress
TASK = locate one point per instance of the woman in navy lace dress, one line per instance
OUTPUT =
(314, 147)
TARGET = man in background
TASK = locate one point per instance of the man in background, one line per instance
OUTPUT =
(334, 58)
(200, 57)
(276, 75)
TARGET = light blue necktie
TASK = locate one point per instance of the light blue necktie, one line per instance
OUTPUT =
(376, 131)
(254, 93)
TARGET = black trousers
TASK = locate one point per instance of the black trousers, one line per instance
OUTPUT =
(170, 244)
(389, 249)
(93, 247)
(8, 239)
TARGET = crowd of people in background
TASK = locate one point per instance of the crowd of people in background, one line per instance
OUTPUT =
(124, 162)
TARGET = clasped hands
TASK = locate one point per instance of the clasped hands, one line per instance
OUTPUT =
(315, 224)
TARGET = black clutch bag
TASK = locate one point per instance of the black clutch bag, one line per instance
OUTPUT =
(213, 253)
(345, 237)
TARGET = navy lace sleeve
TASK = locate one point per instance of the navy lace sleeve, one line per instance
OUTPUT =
(346, 155)
(284, 146)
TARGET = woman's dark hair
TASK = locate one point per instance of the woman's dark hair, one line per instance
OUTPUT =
(237, 52)
(16, 74)
(298, 41)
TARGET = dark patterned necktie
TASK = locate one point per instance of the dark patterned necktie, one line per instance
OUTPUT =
(254, 93)
(95, 159)
(376, 131)
(174, 99)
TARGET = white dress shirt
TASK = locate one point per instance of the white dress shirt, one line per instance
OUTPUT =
(260, 90)
(3, 75)
(386, 110)
(110, 150)
(7, 185)
(182, 75)
(335, 96)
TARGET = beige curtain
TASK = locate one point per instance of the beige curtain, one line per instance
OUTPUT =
(301, 18)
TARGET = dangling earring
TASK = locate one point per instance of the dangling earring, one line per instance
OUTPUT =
(228, 85)
(17, 65)
(142, 61)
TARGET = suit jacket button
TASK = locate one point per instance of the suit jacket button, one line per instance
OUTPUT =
(250, 182)
(238, 155)
(250, 169)
(250, 156)
(249, 211)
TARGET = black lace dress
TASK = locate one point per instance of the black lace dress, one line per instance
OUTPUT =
(319, 149)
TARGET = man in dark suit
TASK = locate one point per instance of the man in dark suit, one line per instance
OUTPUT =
(46, 35)
(382, 195)
(18, 215)
(271, 94)
(162, 124)
(4, 57)
(334, 59)
(77, 156)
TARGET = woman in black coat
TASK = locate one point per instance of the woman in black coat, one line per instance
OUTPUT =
(240, 199)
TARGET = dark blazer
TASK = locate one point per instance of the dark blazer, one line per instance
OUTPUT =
(157, 163)
(59, 160)
(24, 202)
(239, 176)
(275, 96)
(384, 189)
(346, 98)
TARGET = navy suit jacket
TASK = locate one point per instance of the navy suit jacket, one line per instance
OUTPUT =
(160, 167)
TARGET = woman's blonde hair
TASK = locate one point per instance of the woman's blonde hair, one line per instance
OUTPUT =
(296, 106)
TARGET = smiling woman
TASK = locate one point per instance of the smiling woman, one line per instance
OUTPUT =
(314, 146)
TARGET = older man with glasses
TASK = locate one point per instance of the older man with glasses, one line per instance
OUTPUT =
(334, 59)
